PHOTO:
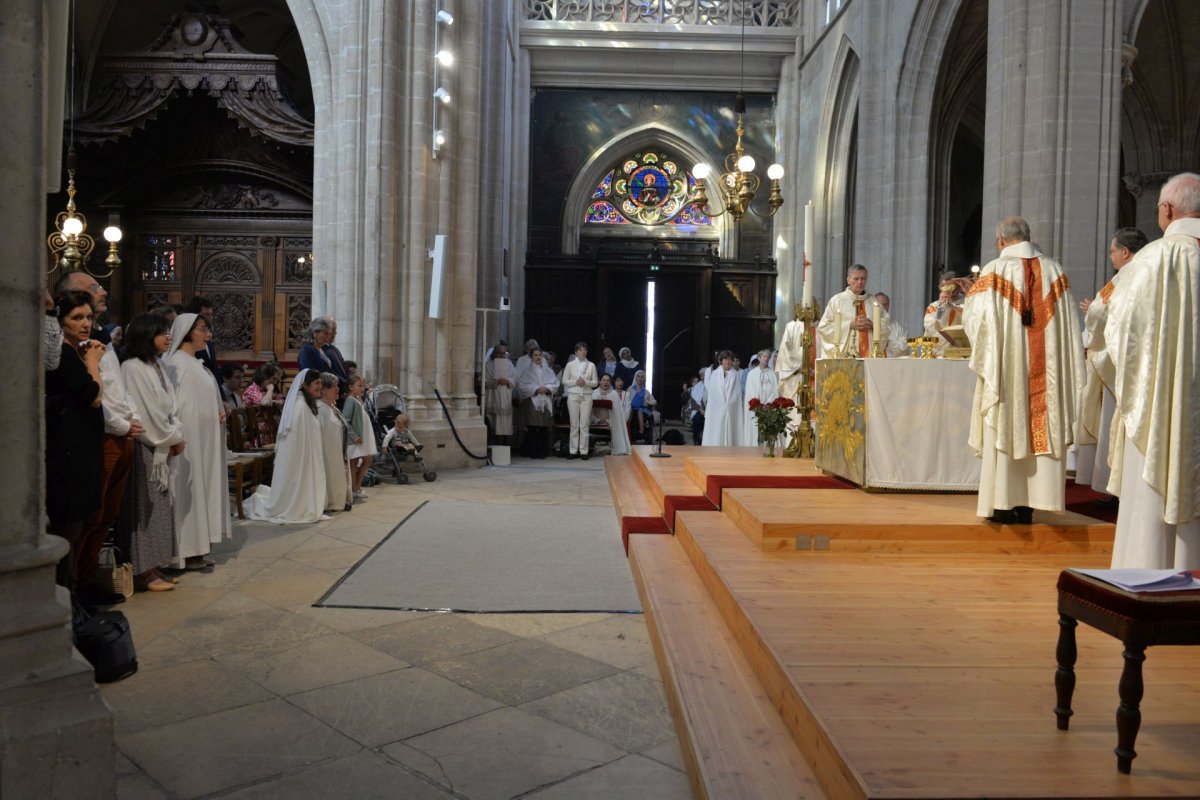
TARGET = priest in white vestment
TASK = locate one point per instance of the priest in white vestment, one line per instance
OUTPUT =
(761, 382)
(847, 322)
(1151, 362)
(1096, 401)
(334, 436)
(723, 407)
(200, 480)
(1025, 349)
(499, 379)
(297, 492)
(790, 360)
(945, 312)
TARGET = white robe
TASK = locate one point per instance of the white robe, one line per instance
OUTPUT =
(157, 408)
(297, 492)
(1023, 416)
(500, 398)
(201, 477)
(1096, 401)
(723, 410)
(763, 384)
(616, 418)
(790, 361)
(834, 328)
(1147, 354)
(333, 448)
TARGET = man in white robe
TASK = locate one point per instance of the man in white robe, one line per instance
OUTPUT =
(1096, 401)
(896, 337)
(1024, 331)
(1151, 362)
(761, 382)
(723, 408)
(790, 359)
(499, 378)
(945, 312)
(845, 327)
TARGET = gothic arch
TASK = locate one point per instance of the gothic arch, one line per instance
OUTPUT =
(840, 148)
(595, 168)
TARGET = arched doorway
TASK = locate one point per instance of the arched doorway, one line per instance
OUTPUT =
(956, 147)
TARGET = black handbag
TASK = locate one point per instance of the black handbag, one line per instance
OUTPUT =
(105, 640)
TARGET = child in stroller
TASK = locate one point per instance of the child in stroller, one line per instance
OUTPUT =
(401, 446)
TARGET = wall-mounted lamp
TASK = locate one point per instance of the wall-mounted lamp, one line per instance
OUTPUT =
(443, 95)
(444, 17)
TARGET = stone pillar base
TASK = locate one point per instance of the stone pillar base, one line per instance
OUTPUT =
(442, 452)
(56, 732)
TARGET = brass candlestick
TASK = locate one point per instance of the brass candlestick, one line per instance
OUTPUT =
(878, 350)
(804, 440)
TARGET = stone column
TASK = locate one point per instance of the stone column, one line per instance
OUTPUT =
(56, 734)
(1052, 137)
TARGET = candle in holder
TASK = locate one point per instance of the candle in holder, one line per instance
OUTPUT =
(876, 324)
(809, 212)
(837, 331)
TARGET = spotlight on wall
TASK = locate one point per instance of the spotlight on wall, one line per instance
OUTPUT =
(443, 95)
(439, 137)
(445, 58)
(445, 18)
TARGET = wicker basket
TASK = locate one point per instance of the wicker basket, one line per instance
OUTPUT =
(112, 575)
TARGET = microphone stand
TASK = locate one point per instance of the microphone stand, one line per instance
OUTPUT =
(663, 357)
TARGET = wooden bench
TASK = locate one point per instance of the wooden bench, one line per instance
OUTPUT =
(1139, 621)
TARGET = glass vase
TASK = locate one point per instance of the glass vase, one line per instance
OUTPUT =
(769, 448)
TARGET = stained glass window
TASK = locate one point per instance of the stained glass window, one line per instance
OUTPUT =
(649, 188)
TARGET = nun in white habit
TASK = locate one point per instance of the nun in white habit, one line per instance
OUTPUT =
(297, 492)
(201, 481)
(763, 383)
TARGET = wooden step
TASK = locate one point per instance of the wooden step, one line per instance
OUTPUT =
(637, 511)
(812, 522)
(668, 481)
(733, 740)
(745, 467)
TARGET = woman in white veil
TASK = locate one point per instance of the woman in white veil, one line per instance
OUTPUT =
(297, 490)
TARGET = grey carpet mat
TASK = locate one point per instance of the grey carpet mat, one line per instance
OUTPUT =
(449, 556)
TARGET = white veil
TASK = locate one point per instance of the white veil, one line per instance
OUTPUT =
(289, 405)
(179, 329)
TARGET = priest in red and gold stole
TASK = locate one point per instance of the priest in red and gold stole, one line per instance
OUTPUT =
(845, 327)
(1026, 351)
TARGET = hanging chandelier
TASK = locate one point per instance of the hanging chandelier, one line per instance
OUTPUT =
(738, 184)
(70, 244)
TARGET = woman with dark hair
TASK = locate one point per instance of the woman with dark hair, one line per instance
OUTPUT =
(261, 391)
(201, 479)
(74, 425)
(297, 491)
(148, 496)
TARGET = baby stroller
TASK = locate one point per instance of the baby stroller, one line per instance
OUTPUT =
(384, 404)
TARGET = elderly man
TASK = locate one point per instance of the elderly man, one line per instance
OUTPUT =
(1024, 331)
(121, 426)
(847, 323)
(1149, 359)
(337, 363)
(1096, 402)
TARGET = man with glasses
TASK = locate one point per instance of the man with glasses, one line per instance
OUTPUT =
(121, 426)
(1148, 357)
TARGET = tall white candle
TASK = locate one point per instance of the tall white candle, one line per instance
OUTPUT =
(837, 332)
(876, 324)
(809, 216)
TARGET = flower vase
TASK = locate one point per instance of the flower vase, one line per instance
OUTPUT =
(769, 448)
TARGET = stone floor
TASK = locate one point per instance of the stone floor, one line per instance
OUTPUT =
(247, 691)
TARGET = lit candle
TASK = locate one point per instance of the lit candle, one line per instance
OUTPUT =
(809, 214)
(876, 324)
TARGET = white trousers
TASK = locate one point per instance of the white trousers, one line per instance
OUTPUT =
(1006, 482)
(579, 406)
(1143, 540)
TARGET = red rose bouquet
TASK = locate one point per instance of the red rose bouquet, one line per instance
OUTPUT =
(771, 418)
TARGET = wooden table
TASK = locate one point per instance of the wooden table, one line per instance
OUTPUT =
(1139, 621)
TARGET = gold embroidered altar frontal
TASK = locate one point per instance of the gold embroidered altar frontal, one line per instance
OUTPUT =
(896, 423)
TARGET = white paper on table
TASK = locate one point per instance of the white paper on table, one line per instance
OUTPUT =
(1145, 580)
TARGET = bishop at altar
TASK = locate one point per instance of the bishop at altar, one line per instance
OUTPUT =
(849, 318)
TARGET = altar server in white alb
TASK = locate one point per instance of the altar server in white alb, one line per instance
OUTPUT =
(761, 382)
(1096, 401)
(200, 483)
(1152, 363)
(1025, 349)
(499, 379)
(790, 360)
(723, 407)
(895, 337)
(849, 319)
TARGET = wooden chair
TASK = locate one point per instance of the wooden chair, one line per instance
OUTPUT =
(262, 426)
(247, 466)
(1138, 621)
